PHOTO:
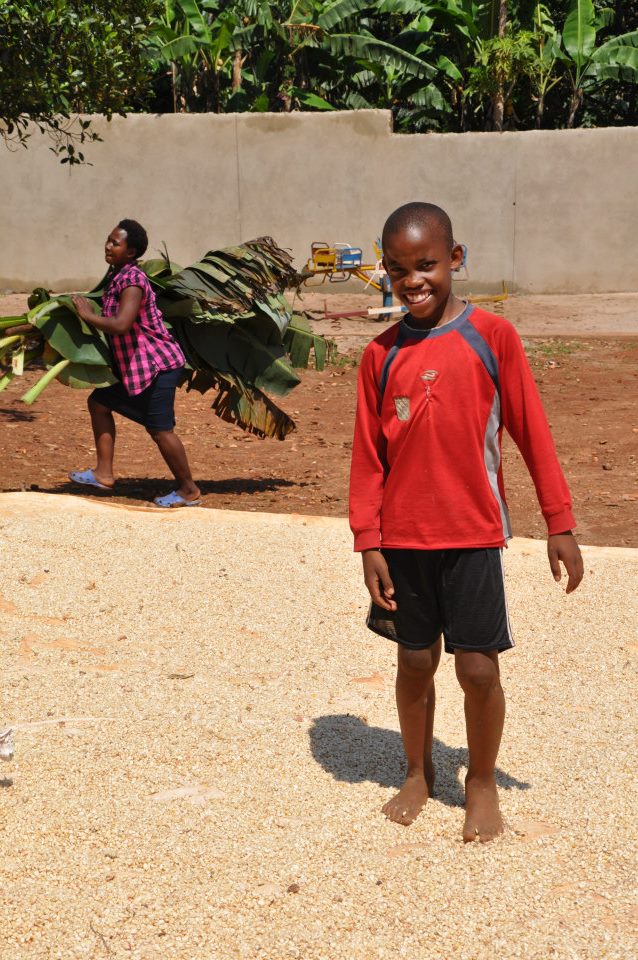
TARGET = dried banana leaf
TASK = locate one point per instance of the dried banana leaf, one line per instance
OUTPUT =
(250, 409)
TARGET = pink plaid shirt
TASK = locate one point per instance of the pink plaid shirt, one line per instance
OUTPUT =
(147, 348)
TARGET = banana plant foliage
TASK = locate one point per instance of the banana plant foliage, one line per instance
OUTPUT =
(229, 314)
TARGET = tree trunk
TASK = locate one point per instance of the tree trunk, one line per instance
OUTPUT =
(174, 85)
(216, 96)
(237, 64)
(498, 103)
(540, 110)
(577, 99)
(498, 110)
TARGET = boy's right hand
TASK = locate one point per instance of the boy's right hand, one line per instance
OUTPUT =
(377, 579)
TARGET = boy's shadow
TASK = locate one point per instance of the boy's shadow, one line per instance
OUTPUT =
(353, 752)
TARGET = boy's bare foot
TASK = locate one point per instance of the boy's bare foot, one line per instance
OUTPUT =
(407, 804)
(483, 819)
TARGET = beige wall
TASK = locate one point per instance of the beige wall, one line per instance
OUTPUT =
(550, 211)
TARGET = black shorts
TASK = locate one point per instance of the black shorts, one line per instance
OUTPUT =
(154, 407)
(459, 593)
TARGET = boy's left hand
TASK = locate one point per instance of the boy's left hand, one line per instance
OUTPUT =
(84, 307)
(563, 547)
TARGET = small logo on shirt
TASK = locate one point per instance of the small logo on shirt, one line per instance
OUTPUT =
(402, 407)
(429, 375)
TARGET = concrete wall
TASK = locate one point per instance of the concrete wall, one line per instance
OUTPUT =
(550, 211)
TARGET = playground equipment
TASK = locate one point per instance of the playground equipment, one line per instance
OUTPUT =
(339, 262)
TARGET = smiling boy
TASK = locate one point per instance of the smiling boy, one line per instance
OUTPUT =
(427, 502)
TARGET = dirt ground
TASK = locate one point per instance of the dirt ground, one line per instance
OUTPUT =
(583, 351)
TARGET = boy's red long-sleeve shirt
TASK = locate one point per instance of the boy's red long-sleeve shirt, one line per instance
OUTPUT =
(426, 459)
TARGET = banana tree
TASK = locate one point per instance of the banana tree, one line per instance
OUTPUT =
(546, 76)
(588, 65)
(299, 53)
(195, 40)
(229, 314)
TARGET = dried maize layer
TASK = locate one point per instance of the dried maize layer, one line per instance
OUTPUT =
(205, 733)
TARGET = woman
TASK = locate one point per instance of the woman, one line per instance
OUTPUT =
(148, 362)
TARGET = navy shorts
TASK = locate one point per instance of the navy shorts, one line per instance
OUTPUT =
(457, 593)
(154, 407)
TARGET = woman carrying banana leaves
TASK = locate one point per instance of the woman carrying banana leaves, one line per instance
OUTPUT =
(228, 314)
(149, 362)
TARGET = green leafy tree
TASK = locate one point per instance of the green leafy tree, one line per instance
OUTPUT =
(196, 42)
(449, 65)
(316, 55)
(67, 57)
(546, 74)
(587, 64)
(500, 63)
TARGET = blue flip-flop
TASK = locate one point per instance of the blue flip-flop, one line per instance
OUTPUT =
(174, 499)
(87, 479)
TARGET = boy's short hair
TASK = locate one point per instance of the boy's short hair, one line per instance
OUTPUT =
(417, 214)
(136, 236)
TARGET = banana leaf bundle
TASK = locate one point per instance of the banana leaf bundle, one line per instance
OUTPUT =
(228, 313)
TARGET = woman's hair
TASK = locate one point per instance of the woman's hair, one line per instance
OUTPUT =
(136, 237)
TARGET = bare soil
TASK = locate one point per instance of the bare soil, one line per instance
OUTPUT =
(583, 354)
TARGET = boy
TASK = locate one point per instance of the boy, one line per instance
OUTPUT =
(427, 504)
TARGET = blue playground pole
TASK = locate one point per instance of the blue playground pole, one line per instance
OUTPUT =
(387, 291)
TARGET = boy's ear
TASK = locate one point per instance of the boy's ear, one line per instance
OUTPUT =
(457, 256)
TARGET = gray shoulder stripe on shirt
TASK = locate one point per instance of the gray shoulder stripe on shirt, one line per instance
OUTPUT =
(481, 347)
(389, 360)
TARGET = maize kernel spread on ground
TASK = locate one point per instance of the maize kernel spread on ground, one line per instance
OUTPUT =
(205, 733)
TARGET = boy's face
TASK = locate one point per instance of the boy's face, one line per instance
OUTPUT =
(419, 263)
(117, 252)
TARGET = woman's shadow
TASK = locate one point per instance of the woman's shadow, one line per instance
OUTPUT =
(352, 751)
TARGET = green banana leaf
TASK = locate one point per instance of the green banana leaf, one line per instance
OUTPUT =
(299, 341)
(7, 322)
(263, 327)
(230, 349)
(61, 327)
(32, 395)
(39, 295)
(9, 344)
(579, 32)
(617, 59)
(6, 380)
(84, 376)
(264, 367)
